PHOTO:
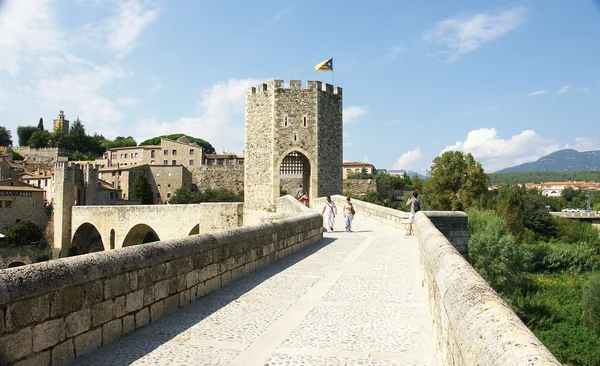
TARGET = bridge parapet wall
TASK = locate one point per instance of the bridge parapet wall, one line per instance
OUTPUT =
(383, 216)
(55, 311)
(473, 325)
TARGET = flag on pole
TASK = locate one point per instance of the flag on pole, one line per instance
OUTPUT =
(326, 65)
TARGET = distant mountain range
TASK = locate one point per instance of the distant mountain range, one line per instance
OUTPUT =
(567, 160)
(410, 173)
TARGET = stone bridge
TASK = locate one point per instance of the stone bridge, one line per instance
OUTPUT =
(591, 217)
(276, 293)
(113, 227)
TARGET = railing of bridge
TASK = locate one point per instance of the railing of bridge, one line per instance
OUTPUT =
(473, 325)
(53, 312)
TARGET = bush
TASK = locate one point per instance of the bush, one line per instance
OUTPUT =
(493, 253)
(184, 195)
(23, 232)
(572, 231)
(558, 257)
(590, 303)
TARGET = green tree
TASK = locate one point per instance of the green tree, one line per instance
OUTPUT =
(510, 208)
(39, 138)
(79, 156)
(416, 182)
(184, 196)
(119, 141)
(141, 189)
(40, 125)
(5, 137)
(79, 139)
(590, 303)
(536, 216)
(61, 140)
(390, 183)
(23, 232)
(493, 253)
(456, 182)
(24, 133)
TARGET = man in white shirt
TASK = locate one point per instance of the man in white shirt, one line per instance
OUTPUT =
(329, 212)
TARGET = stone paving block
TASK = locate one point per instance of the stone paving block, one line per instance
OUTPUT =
(26, 312)
(111, 331)
(142, 318)
(78, 322)
(134, 301)
(128, 324)
(88, 342)
(67, 300)
(40, 359)
(15, 346)
(64, 353)
(48, 333)
(102, 312)
(119, 308)
(115, 286)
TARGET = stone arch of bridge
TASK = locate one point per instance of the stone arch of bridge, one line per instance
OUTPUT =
(195, 230)
(295, 165)
(15, 264)
(86, 239)
(140, 234)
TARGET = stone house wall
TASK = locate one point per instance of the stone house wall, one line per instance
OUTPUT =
(31, 207)
(56, 311)
(230, 177)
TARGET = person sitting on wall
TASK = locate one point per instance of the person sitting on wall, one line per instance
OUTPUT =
(304, 199)
(300, 192)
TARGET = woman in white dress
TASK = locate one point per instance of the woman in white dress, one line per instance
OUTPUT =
(329, 212)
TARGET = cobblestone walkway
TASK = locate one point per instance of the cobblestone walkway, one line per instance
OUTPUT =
(352, 299)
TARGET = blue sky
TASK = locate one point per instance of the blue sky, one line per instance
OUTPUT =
(509, 81)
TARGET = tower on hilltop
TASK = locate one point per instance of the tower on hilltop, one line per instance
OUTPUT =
(293, 136)
(61, 124)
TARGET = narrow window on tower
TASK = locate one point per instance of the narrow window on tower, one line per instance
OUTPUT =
(285, 121)
(294, 137)
(304, 121)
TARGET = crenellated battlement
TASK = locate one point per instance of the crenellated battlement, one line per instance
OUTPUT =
(272, 85)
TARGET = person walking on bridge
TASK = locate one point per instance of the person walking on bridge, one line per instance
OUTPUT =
(349, 214)
(415, 206)
(329, 212)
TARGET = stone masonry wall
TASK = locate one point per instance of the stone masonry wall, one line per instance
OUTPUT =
(23, 253)
(331, 141)
(219, 176)
(359, 187)
(454, 226)
(473, 325)
(54, 312)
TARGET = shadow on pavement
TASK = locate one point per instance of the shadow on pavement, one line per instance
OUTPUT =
(168, 329)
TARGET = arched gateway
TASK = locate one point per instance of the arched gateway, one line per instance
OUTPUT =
(293, 135)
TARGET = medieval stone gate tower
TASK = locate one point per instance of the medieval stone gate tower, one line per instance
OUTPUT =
(292, 134)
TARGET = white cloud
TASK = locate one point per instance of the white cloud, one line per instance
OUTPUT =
(27, 28)
(410, 160)
(127, 102)
(81, 93)
(353, 112)
(583, 144)
(284, 12)
(157, 85)
(466, 33)
(562, 90)
(393, 52)
(539, 92)
(584, 90)
(220, 118)
(496, 153)
(126, 27)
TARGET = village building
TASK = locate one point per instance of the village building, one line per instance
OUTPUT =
(20, 201)
(554, 189)
(357, 167)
